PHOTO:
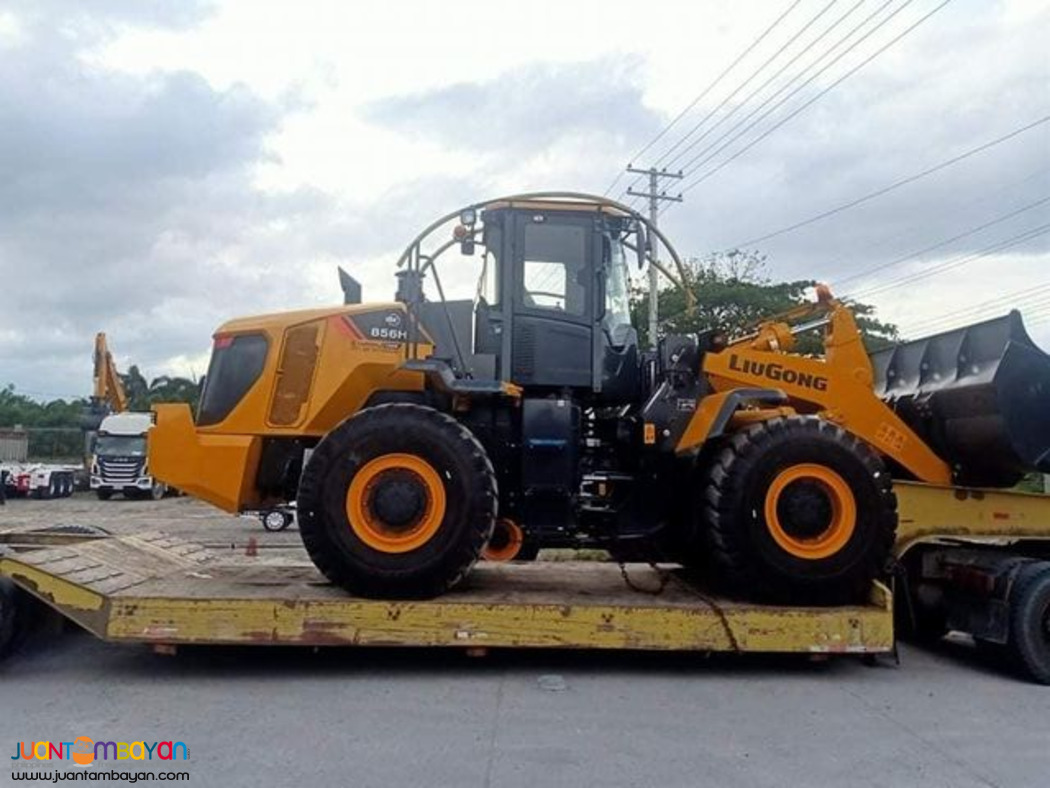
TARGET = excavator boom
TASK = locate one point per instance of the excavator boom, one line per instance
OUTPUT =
(108, 389)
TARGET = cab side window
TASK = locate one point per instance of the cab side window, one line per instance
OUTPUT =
(555, 268)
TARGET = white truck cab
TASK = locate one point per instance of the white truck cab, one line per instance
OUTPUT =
(119, 462)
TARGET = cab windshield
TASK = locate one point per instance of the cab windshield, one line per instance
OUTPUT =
(617, 320)
(121, 446)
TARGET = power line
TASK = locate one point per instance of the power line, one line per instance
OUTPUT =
(1027, 309)
(783, 87)
(735, 132)
(896, 184)
(1038, 319)
(819, 95)
(939, 244)
(1034, 296)
(953, 263)
(984, 196)
(1032, 314)
(700, 96)
(711, 113)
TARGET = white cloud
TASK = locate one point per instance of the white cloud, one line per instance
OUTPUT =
(172, 165)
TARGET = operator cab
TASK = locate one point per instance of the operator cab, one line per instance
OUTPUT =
(552, 310)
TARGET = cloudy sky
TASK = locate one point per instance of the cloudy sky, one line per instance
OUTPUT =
(167, 165)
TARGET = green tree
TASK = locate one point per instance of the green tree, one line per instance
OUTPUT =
(136, 387)
(174, 389)
(23, 410)
(53, 427)
(143, 394)
(20, 409)
(733, 293)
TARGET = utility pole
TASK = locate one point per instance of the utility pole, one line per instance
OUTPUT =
(654, 196)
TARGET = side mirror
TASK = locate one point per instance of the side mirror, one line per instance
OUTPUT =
(642, 246)
(466, 246)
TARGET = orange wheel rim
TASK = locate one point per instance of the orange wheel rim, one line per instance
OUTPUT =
(505, 544)
(364, 504)
(841, 521)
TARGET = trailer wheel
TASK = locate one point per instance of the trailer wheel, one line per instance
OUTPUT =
(275, 520)
(798, 510)
(397, 502)
(1029, 641)
(48, 492)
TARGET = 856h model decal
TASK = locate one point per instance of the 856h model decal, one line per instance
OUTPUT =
(387, 325)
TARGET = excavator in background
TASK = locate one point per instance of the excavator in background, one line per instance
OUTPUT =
(417, 435)
(115, 438)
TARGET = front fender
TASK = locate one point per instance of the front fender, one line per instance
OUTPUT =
(217, 468)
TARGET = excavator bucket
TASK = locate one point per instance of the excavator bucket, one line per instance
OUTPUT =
(979, 396)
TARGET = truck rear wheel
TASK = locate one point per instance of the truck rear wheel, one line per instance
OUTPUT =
(397, 502)
(1029, 642)
(798, 510)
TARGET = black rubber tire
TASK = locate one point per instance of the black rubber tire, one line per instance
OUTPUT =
(530, 550)
(746, 559)
(470, 510)
(9, 610)
(1029, 643)
(104, 495)
(285, 521)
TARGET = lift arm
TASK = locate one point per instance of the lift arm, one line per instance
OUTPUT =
(838, 387)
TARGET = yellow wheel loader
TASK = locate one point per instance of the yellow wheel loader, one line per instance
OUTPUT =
(417, 435)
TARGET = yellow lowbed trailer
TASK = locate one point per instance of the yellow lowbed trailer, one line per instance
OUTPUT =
(156, 589)
(153, 588)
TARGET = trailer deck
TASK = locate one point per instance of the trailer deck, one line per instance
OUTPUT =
(166, 590)
(158, 589)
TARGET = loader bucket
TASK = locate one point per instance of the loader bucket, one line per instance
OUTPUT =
(979, 396)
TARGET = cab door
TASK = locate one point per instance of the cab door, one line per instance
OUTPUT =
(554, 283)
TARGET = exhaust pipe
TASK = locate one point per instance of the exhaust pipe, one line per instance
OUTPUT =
(978, 395)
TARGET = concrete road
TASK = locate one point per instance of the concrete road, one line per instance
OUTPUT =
(402, 717)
